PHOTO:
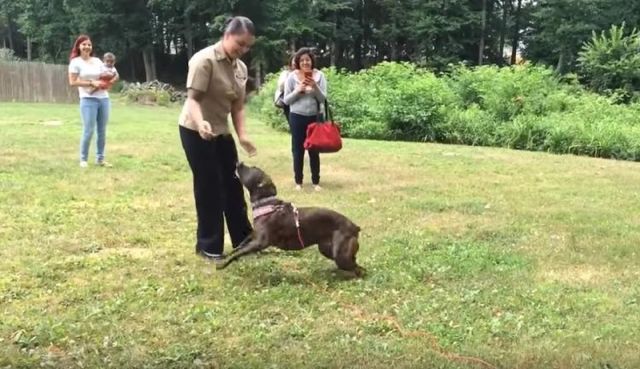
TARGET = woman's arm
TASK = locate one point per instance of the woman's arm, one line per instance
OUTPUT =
(194, 113)
(77, 82)
(116, 76)
(291, 91)
(238, 119)
(320, 89)
(280, 86)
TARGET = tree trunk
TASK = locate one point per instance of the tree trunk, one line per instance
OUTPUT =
(10, 35)
(333, 45)
(149, 59)
(482, 32)
(166, 40)
(357, 44)
(292, 46)
(560, 65)
(516, 33)
(258, 76)
(132, 64)
(394, 50)
(28, 48)
(357, 54)
(190, 46)
(503, 28)
(334, 53)
(188, 35)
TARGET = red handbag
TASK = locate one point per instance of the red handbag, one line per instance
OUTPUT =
(323, 136)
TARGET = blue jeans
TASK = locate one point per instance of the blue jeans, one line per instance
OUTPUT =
(94, 113)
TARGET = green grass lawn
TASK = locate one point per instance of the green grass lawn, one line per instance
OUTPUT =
(476, 257)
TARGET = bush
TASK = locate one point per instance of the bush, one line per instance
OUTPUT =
(610, 63)
(118, 86)
(522, 107)
(150, 93)
(414, 111)
(389, 101)
(471, 126)
(509, 91)
(263, 102)
(524, 132)
(8, 55)
(148, 97)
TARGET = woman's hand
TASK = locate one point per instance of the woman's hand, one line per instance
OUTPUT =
(247, 145)
(309, 81)
(205, 131)
(301, 87)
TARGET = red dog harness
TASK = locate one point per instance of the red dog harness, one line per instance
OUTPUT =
(265, 210)
(260, 211)
(296, 218)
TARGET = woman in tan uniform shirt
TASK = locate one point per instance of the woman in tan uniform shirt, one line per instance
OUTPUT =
(216, 87)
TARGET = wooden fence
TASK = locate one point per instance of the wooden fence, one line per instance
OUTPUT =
(35, 82)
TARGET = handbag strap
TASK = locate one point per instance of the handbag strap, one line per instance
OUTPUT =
(327, 111)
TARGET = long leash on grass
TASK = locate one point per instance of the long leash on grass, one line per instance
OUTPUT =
(435, 345)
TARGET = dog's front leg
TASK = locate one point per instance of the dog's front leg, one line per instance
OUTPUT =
(254, 245)
(242, 244)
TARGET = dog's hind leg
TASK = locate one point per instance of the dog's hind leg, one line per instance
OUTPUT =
(251, 247)
(354, 246)
(345, 250)
(326, 249)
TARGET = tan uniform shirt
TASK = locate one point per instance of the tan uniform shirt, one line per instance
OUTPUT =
(222, 81)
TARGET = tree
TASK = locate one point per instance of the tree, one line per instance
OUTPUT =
(560, 27)
(610, 62)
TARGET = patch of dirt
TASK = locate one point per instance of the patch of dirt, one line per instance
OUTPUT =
(576, 275)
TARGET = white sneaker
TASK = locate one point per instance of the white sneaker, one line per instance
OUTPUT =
(317, 188)
(84, 164)
(298, 187)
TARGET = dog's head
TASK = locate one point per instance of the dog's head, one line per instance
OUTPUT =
(257, 182)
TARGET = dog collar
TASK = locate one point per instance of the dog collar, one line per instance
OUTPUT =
(256, 204)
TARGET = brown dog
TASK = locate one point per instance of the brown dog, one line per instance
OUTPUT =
(281, 224)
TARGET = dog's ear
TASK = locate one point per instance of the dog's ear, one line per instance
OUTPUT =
(266, 187)
(265, 182)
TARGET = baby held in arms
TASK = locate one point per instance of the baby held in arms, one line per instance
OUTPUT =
(108, 73)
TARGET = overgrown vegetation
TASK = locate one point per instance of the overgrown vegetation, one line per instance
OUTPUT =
(8, 55)
(522, 107)
(610, 63)
(150, 93)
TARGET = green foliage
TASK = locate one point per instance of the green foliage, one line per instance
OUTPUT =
(524, 107)
(416, 105)
(264, 102)
(118, 86)
(365, 118)
(348, 34)
(470, 126)
(610, 62)
(508, 92)
(148, 97)
(8, 55)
